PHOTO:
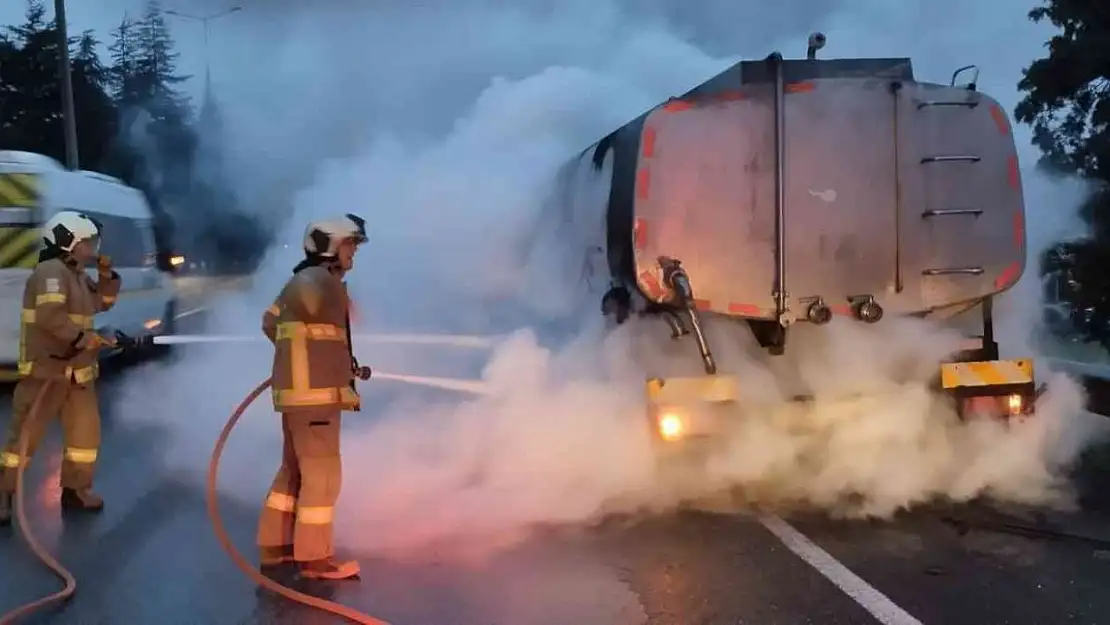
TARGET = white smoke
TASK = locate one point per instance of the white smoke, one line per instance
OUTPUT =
(452, 187)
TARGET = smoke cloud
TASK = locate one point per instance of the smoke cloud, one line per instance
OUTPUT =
(448, 142)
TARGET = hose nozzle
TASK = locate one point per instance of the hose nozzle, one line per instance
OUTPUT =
(133, 342)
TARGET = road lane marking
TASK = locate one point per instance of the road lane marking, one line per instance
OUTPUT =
(189, 313)
(867, 596)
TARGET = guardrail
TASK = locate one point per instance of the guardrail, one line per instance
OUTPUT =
(1095, 379)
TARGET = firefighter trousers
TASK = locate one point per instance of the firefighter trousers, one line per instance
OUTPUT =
(300, 505)
(77, 406)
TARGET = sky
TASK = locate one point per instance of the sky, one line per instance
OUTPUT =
(225, 31)
(82, 15)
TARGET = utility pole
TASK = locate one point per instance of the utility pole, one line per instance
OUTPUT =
(64, 75)
(204, 19)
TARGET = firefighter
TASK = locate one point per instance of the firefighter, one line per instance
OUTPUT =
(57, 345)
(313, 381)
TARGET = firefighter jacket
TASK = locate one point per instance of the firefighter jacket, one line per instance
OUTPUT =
(56, 328)
(309, 326)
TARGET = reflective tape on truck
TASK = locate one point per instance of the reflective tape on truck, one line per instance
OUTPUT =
(986, 373)
(683, 390)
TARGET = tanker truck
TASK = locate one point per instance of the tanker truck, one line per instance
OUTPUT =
(783, 192)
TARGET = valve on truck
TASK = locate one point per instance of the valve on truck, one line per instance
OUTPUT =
(867, 309)
(818, 312)
(676, 279)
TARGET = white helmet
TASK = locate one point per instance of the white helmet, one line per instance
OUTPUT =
(322, 238)
(68, 228)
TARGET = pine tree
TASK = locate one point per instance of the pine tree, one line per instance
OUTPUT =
(97, 117)
(34, 23)
(124, 69)
(156, 69)
(86, 60)
(31, 117)
(34, 108)
(9, 91)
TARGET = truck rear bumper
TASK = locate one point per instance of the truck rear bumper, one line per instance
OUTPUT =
(686, 409)
(1001, 389)
(690, 412)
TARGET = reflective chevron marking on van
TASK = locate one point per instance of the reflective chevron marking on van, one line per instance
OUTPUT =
(19, 190)
(19, 246)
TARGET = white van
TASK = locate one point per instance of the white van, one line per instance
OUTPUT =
(33, 188)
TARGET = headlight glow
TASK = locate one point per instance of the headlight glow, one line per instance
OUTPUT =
(671, 426)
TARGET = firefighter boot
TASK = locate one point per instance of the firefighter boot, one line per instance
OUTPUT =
(5, 509)
(272, 560)
(74, 500)
(330, 570)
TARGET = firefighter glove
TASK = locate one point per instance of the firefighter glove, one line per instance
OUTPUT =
(92, 340)
(104, 266)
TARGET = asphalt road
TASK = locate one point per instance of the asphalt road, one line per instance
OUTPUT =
(151, 557)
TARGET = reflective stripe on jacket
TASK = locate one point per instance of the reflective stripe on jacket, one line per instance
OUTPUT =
(312, 355)
(59, 303)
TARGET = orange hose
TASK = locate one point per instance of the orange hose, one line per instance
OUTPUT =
(24, 527)
(225, 541)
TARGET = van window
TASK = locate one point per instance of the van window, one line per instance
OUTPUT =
(123, 239)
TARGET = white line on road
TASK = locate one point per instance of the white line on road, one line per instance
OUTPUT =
(189, 313)
(867, 596)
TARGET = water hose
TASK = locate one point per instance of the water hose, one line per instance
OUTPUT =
(256, 576)
(447, 340)
(70, 582)
(25, 528)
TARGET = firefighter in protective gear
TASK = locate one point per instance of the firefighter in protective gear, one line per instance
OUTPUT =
(57, 345)
(313, 382)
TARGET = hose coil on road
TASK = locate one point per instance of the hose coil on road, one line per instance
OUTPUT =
(70, 583)
(225, 541)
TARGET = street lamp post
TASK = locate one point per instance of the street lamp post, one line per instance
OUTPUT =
(203, 19)
(69, 120)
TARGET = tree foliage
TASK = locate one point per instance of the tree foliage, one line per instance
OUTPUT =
(134, 121)
(1067, 103)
